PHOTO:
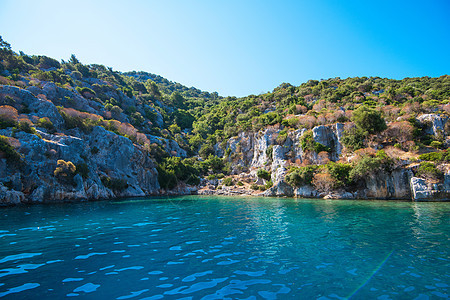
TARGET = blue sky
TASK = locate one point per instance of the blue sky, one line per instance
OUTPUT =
(241, 47)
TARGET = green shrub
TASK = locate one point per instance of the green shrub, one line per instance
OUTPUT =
(7, 122)
(85, 90)
(353, 138)
(172, 170)
(437, 144)
(281, 138)
(297, 177)
(10, 153)
(308, 143)
(86, 125)
(114, 184)
(240, 183)
(269, 152)
(116, 110)
(214, 164)
(227, 181)
(65, 171)
(429, 171)
(46, 123)
(206, 150)
(261, 173)
(368, 119)
(340, 172)
(432, 156)
(436, 156)
(364, 167)
(82, 169)
(269, 184)
(211, 177)
(26, 127)
(254, 187)
(64, 168)
(166, 178)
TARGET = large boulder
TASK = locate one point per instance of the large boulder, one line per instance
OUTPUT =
(8, 197)
(422, 190)
(306, 191)
(280, 188)
(436, 123)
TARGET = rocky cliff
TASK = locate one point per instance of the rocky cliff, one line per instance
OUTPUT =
(249, 152)
(113, 166)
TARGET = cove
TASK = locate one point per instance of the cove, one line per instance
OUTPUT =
(205, 247)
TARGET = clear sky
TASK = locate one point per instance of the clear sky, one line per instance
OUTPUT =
(238, 47)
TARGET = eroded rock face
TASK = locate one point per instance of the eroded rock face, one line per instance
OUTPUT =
(105, 153)
(257, 147)
(330, 136)
(262, 150)
(114, 156)
(261, 143)
(394, 185)
(37, 106)
(281, 188)
(423, 190)
(306, 191)
(436, 123)
(10, 196)
(420, 189)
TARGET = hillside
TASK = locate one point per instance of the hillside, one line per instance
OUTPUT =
(70, 131)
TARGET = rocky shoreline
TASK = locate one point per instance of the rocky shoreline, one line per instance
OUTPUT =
(114, 166)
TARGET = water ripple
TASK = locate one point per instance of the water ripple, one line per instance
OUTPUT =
(18, 289)
(20, 269)
(133, 294)
(251, 274)
(89, 255)
(87, 288)
(72, 279)
(129, 268)
(18, 256)
(195, 276)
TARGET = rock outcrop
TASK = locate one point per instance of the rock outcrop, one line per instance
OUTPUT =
(251, 151)
(105, 155)
(424, 191)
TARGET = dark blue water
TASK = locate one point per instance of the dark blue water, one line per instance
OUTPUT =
(226, 248)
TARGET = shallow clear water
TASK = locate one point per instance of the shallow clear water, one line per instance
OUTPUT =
(217, 248)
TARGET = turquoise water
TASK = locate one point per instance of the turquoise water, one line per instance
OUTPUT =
(225, 248)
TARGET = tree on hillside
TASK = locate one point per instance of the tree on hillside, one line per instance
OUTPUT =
(368, 119)
(176, 99)
(5, 49)
(73, 60)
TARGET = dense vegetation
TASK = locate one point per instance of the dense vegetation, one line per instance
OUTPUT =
(147, 108)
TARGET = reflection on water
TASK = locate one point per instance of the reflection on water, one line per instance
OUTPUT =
(221, 248)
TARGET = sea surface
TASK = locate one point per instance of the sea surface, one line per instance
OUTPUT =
(202, 247)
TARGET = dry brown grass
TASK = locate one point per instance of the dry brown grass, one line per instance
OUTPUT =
(394, 152)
